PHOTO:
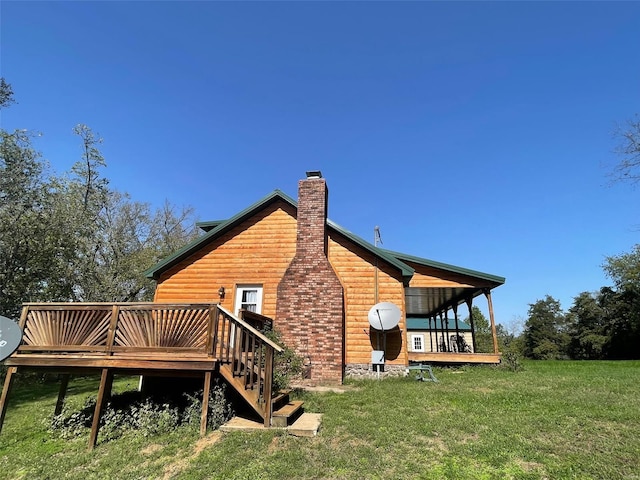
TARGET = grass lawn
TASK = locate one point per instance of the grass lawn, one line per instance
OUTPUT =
(554, 420)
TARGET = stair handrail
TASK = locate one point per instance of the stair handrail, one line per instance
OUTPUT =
(256, 332)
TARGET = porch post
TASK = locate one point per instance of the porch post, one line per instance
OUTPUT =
(469, 303)
(487, 293)
(455, 317)
(431, 332)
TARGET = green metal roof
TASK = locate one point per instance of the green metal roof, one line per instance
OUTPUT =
(210, 225)
(444, 266)
(421, 323)
(217, 228)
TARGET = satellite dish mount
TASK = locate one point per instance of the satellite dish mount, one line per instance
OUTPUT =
(383, 316)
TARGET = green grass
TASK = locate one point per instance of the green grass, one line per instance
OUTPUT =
(554, 420)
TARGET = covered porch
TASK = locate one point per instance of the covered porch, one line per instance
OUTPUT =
(433, 316)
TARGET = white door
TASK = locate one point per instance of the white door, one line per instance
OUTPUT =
(248, 297)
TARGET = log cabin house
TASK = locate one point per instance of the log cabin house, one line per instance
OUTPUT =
(278, 262)
(286, 260)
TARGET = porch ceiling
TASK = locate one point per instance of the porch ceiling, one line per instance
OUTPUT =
(432, 301)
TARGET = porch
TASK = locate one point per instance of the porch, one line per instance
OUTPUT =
(147, 339)
(444, 338)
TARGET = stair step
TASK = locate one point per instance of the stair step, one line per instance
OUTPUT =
(287, 414)
(306, 426)
(281, 399)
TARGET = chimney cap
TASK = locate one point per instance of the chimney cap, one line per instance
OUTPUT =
(314, 174)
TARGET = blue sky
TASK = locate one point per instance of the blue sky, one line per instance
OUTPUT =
(477, 134)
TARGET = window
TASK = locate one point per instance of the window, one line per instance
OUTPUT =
(248, 297)
(417, 342)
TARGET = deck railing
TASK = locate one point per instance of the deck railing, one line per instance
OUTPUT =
(117, 328)
(176, 333)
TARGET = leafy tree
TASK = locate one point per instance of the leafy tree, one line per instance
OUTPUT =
(27, 238)
(6, 93)
(622, 303)
(624, 269)
(482, 331)
(622, 309)
(71, 237)
(545, 335)
(588, 328)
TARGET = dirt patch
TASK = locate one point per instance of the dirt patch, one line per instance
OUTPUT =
(326, 388)
(529, 466)
(153, 448)
(174, 468)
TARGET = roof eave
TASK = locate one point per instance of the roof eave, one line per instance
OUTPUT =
(445, 266)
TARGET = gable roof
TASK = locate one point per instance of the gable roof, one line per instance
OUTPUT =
(214, 229)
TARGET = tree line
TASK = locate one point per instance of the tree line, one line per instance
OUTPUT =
(603, 324)
(70, 236)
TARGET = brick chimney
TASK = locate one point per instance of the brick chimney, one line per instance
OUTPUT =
(310, 305)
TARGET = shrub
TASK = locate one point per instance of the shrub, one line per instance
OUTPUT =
(512, 361)
(144, 416)
(287, 365)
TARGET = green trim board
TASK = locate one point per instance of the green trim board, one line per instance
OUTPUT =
(423, 324)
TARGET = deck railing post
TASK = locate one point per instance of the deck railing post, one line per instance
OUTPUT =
(212, 330)
(268, 384)
(113, 324)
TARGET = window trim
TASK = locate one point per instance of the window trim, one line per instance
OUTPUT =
(240, 288)
(415, 336)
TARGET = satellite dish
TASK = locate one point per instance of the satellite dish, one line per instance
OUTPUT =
(384, 316)
(10, 337)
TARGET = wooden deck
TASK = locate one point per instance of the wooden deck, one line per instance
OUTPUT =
(141, 338)
(454, 357)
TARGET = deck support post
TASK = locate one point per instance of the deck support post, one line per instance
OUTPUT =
(487, 293)
(469, 303)
(205, 403)
(62, 393)
(106, 380)
(6, 389)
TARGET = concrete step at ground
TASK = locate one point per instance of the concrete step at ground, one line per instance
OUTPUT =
(306, 426)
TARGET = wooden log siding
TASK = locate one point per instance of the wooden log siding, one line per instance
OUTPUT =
(432, 277)
(257, 251)
(356, 270)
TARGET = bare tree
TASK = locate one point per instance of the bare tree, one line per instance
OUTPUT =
(628, 169)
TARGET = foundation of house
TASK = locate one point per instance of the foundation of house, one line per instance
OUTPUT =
(367, 370)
